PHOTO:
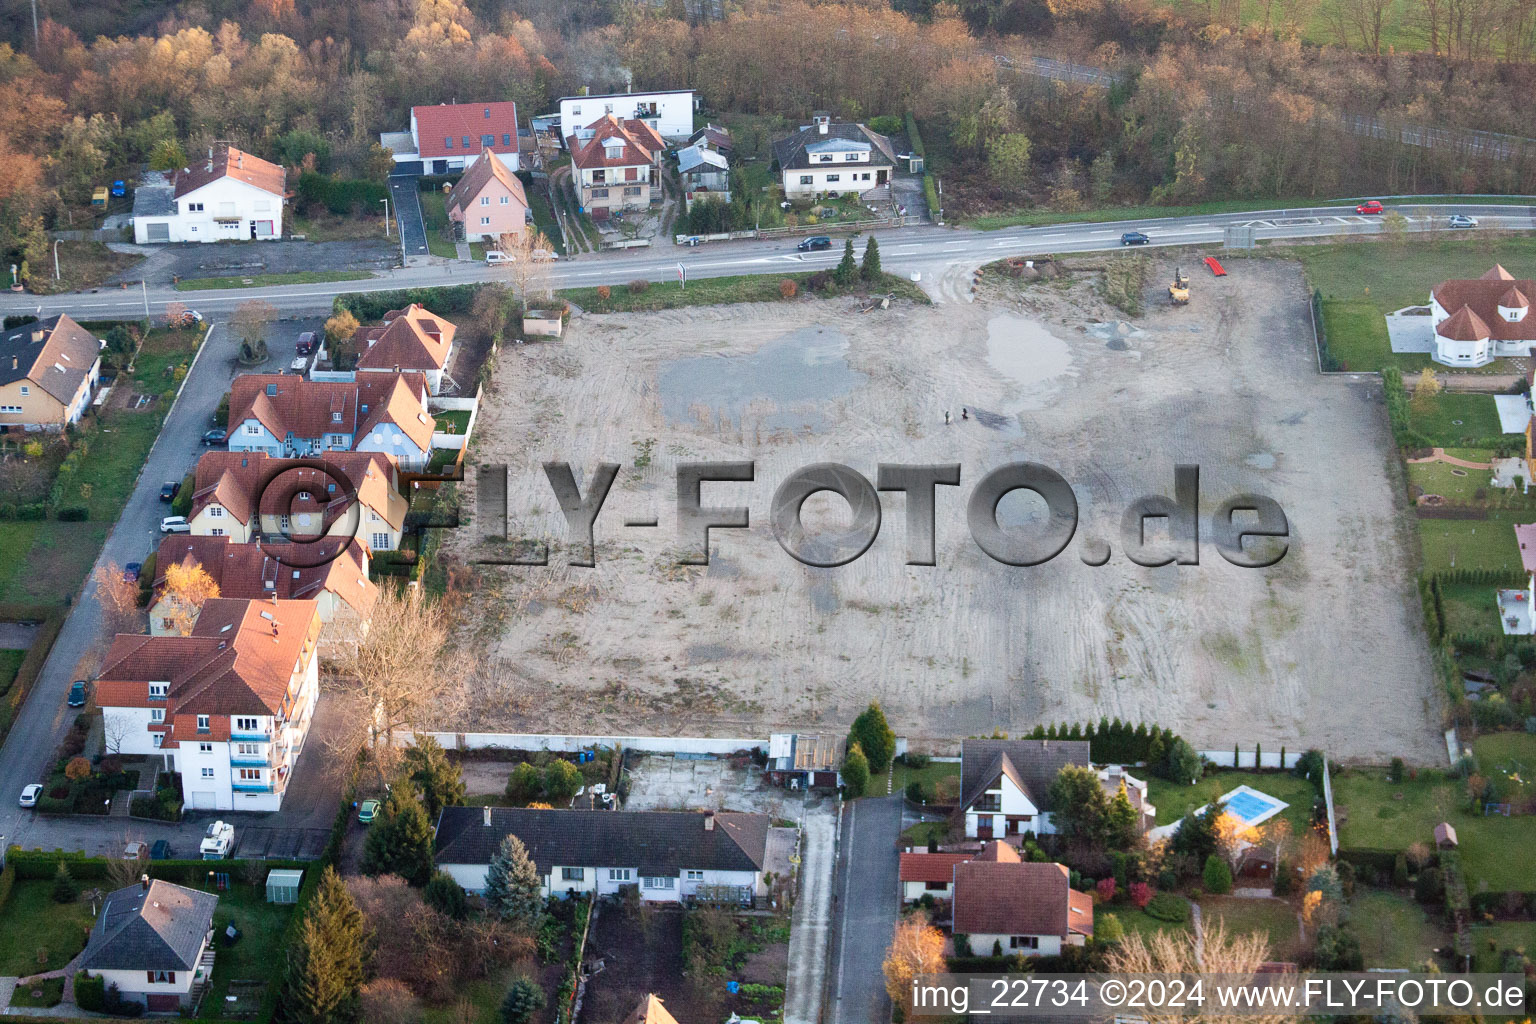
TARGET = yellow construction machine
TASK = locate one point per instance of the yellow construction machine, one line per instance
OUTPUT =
(1178, 291)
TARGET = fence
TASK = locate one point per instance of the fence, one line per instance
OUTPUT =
(572, 743)
(1333, 827)
(104, 235)
(1245, 758)
(453, 442)
(627, 243)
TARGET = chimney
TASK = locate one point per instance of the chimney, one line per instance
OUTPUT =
(239, 160)
(709, 821)
(38, 334)
(485, 816)
(144, 882)
(821, 127)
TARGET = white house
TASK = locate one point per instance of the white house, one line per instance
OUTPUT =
(412, 338)
(229, 196)
(228, 707)
(669, 114)
(928, 874)
(830, 157)
(154, 941)
(669, 856)
(1478, 321)
(1011, 906)
(1005, 784)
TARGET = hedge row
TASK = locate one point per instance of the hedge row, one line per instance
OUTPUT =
(370, 306)
(341, 196)
(42, 865)
(7, 883)
(1379, 860)
(31, 665)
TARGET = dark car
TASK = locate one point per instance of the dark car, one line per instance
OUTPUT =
(306, 343)
(77, 694)
(131, 572)
(119, 188)
(1134, 238)
(215, 436)
(819, 242)
(168, 491)
(160, 851)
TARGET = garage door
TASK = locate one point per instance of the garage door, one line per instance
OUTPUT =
(160, 1002)
(158, 232)
(203, 801)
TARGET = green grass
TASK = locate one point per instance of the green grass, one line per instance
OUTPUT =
(1275, 918)
(1390, 276)
(34, 922)
(197, 284)
(258, 956)
(543, 216)
(1471, 543)
(1142, 923)
(457, 418)
(1490, 940)
(1173, 801)
(477, 251)
(1394, 931)
(711, 291)
(484, 995)
(52, 990)
(1438, 418)
(1456, 483)
(434, 215)
(923, 832)
(1357, 338)
(154, 368)
(10, 664)
(1470, 608)
(1039, 218)
(1509, 754)
(901, 776)
(46, 562)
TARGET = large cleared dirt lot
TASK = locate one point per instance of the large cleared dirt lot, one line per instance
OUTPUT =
(1324, 649)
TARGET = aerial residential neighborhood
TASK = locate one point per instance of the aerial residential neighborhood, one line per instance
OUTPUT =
(763, 512)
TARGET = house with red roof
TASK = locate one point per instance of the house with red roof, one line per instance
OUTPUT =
(1009, 905)
(445, 138)
(409, 339)
(929, 874)
(616, 163)
(230, 195)
(288, 416)
(1478, 321)
(229, 706)
(488, 202)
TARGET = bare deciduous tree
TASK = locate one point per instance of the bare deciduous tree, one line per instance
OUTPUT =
(119, 599)
(1218, 951)
(528, 258)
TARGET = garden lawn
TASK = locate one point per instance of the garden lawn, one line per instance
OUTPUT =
(1275, 918)
(10, 663)
(1470, 609)
(1490, 940)
(52, 990)
(901, 776)
(1036, 218)
(159, 355)
(924, 832)
(543, 216)
(434, 215)
(1174, 801)
(1472, 543)
(1389, 276)
(33, 922)
(1452, 419)
(1456, 483)
(198, 284)
(1394, 931)
(1356, 334)
(458, 419)
(258, 956)
(1140, 922)
(47, 562)
(111, 466)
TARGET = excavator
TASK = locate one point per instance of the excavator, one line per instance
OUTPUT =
(1178, 291)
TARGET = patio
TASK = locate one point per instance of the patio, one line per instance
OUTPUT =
(1515, 612)
(1411, 331)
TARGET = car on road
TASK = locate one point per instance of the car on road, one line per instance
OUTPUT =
(119, 188)
(1371, 206)
(1461, 220)
(1134, 238)
(217, 841)
(77, 694)
(169, 490)
(160, 851)
(131, 572)
(306, 343)
(495, 256)
(30, 793)
(175, 524)
(136, 851)
(187, 318)
(368, 811)
(215, 436)
(814, 243)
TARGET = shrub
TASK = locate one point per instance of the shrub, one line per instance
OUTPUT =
(604, 292)
(64, 890)
(1106, 889)
(73, 514)
(1217, 875)
(639, 286)
(77, 769)
(90, 993)
(915, 761)
(788, 288)
(1400, 871)
(819, 281)
(1165, 906)
(1141, 894)
(1107, 928)
(1395, 772)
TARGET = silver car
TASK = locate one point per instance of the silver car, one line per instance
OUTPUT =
(30, 793)
(1460, 220)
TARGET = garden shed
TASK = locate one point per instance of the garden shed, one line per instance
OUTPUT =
(283, 885)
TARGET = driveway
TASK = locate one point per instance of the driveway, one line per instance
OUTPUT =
(405, 196)
(230, 259)
(811, 925)
(865, 910)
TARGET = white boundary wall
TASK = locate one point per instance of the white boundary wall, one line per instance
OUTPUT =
(1223, 758)
(572, 743)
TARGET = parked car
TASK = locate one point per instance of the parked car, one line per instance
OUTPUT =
(1134, 238)
(119, 188)
(216, 436)
(160, 851)
(131, 572)
(306, 343)
(495, 256)
(817, 242)
(77, 694)
(135, 851)
(169, 490)
(188, 318)
(1370, 206)
(175, 524)
(30, 793)
(368, 811)
(1461, 220)
(217, 841)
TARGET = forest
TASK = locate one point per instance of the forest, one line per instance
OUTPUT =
(1216, 99)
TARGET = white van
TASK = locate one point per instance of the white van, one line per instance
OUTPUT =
(492, 256)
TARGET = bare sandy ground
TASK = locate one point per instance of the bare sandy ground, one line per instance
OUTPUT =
(1324, 649)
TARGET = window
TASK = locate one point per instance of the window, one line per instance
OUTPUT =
(487, 141)
(157, 691)
(618, 874)
(217, 531)
(466, 141)
(693, 876)
(576, 111)
(282, 523)
(207, 773)
(834, 177)
(205, 748)
(248, 748)
(632, 190)
(573, 874)
(506, 139)
(989, 802)
(485, 200)
(826, 158)
(485, 221)
(659, 883)
(25, 391)
(614, 152)
(936, 886)
(202, 723)
(194, 207)
(805, 179)
(850, 156)
(504, 200)
(250, 774)
(1024, 942)
(157, 714)
(379, 542)
(10, 408)
(599, 193)
(252, 429)
(865, 176)
(160, 977)
(245, 724)
(215, 511)
(335, 417)
(157, 738)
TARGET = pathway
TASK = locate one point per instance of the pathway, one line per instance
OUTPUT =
(1199, 927)
(461, 250)
(1440, 456)
(809, 927)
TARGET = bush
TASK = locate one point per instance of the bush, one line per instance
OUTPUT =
(74, 514)
(1217, 875)
(90, 993)
(788, 289)
(639, 286)
(819, 281)
(885, 124)
(1165, 906)
(604, 292)
(1395, 772)
(64, 890)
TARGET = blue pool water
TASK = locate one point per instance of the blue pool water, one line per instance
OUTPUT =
(1249, 806)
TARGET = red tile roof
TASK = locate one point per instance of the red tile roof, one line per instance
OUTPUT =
(1482, 299)
(640, 144)
(1027, 898)
(411, 339)
(998, 852)
(312, 408)
(283, 570)
(930, 867)
(1498, 273)
(1463, 325)
(459, 121)
(227, 161)
(231, 479)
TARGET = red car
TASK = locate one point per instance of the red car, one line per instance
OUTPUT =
(1370, 207)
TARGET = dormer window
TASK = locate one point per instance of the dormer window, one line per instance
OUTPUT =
(614, 152)
(202, 723)
(448, 142)
(335, 417)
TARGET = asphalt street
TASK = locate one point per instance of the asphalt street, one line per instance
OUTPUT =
(865, 909)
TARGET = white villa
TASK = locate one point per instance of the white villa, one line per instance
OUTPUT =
(1476, 322)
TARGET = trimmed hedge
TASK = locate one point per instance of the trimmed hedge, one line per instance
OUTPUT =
(7, 883)
(986, 964)
(42, 865)
(341, 196)
(370, 306)
(90, 993)
(31, 665)
(1378, 860)
(1165, 906)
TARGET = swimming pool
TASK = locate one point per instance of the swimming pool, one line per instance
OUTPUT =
(1251, 805)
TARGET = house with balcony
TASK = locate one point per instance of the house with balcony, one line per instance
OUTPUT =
(299, 503)
(1005, 785)
(446, 137)
(228, 706)
(48, 371)
(616, 163)
(828, 157)
(229, 196)
(153, 942)
(288, 416)
(413, 339)
(1476, 322)
(666, 856)
(668, 114)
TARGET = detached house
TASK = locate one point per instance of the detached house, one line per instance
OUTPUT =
(1478, 321)
(830, 157)
(706, 174)
(1005, 784)
(48, 370)
(153, 941)
(229, 196)
(667, 114)
(670, 856)
(228, 707)
(409, 339)
(489, 201)
(298, 502)
(284, 415)
(1018, 907)
(444, 138)
(615, 164)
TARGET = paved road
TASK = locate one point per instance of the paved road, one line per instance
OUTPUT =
(809, 932)
(866, 909)
(931, 251)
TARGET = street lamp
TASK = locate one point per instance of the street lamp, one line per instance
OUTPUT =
(56, 242)
(385, 201)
